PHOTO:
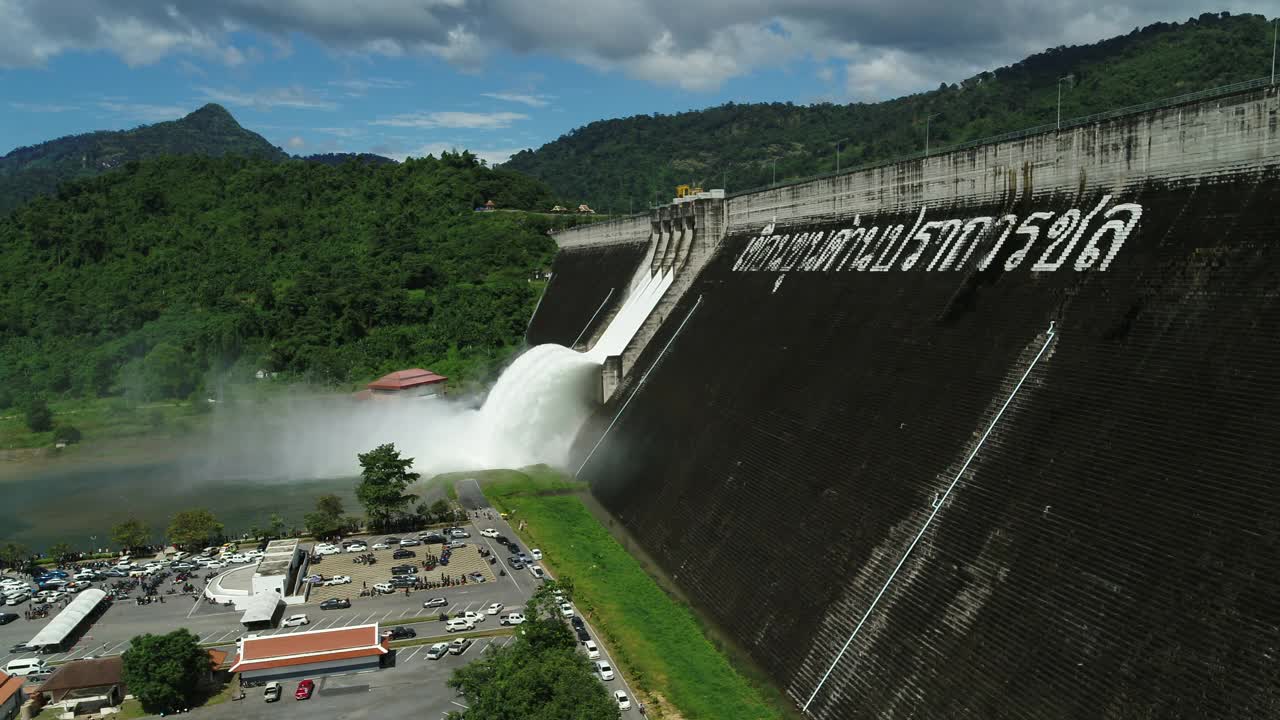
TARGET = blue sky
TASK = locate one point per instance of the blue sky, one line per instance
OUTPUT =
(411, 77)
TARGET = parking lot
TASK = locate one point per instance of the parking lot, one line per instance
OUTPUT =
(462, 562)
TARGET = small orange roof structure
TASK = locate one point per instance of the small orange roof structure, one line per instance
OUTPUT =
(405, 379)
(304, 648)
(9, 686)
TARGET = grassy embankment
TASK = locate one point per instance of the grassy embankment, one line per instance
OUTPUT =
(658, 643)
(101, 419)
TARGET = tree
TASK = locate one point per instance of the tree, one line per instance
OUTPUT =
(439, 510)
(327, 519)
(130, 534)
(15, 556)
(277, 526)
(38, 415)
(167, 672)
(60, 551)
(539, 676)
(193, 528)
(383, 480)
(68, 434)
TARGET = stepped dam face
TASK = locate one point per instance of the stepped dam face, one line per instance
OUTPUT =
(974, 455)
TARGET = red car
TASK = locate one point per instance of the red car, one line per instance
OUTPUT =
(305, 688)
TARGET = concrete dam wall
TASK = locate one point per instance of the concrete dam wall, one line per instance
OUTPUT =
(1000, 450)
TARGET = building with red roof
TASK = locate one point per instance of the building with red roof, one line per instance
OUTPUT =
(308, 654)
(414, 382)
(11, 695)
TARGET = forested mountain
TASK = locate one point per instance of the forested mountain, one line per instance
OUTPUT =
(612, 162)
(151, 279)
(339, 158)
(36, 170)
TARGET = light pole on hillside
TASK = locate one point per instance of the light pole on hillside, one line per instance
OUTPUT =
(926, 132)
(839, 142)
(1068, 78)
(1275, 35)
(775, 173)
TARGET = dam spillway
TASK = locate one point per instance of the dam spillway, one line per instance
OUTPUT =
(1096, 515)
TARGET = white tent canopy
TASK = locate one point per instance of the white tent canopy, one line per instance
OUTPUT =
(69, 619)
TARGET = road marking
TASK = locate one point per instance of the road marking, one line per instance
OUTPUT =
(353, 619)
(384, 617)
(194, 605)
(117, 646)
(416, 650)
(451, 607)
(464, 707)
(366, 620)
(320, 625)
(406, 612)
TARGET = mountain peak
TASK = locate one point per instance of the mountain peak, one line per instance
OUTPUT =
(211, 117)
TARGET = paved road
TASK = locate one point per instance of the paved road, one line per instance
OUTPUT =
(472, 497)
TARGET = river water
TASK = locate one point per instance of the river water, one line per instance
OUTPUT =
(78, 503)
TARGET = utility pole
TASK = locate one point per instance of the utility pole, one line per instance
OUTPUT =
(775, 173)
(839, 142)
(1064, 77)
(926, 132)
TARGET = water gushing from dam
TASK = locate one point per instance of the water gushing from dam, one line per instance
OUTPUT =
(635, 310)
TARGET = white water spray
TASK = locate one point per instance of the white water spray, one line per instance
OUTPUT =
(531, 415)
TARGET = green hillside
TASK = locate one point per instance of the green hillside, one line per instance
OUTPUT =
(150, 280)
(30, 171)
(611, 162)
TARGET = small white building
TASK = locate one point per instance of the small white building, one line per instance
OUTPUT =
(279, 572)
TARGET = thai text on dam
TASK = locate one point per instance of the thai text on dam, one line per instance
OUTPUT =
(1043, 241)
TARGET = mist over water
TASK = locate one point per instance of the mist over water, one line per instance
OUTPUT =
(530, 416)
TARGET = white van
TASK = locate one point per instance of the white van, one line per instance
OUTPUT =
(26, 667)
(457, 624)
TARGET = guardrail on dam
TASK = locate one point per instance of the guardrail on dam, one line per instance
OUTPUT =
(868, 460)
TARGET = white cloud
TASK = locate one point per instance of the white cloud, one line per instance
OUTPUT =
(468, 120)
(296, 142)
(293, 97)
(340, 131)
(694, 46)
(42, 107)
(523, 98)
(145, 112)
(359, 87)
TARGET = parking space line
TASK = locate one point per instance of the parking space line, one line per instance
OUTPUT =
(320, 625)
(384, 617)
(416, 650)
(117, 646)
(451, 607)
(353, 619)
(406, 612)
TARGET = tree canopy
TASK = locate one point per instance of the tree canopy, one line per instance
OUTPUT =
(167, 672)
(152, 281)
(327, 520)
(194, 528)
(540, 676)
(384, 477)
(628, 162)
(131, 533)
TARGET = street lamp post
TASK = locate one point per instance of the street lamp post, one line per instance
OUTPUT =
(927, 119)
(1275, 35)
(775, 173)
(1064, 77)
(839, 142)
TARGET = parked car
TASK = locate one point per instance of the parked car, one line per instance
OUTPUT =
(384, 587)
(391, 540)
(473, 616)
(458, 624)
(437, 651)
(357, 547)
(515, 563)
(7, 617)
(459, 533)
(410, 542)
(495, 608)
(593, 652)
(402, 554)
(435, 538)
(489, 533)
(476, 577)
(457, 544)
(566, 609)
(606, 672)
(26, 667)
(404, 570)
(537, 571)
(502, 539)
(335, 604)
(399, 632)
(327, 549)
(272, 692)
(624, 702)
(381, 546)
(296, 621)
(337, 580)
(536, 554)
(435, 602)
(577, 623)
(514, 618)
(459, 646)
(114, 573)
(305, 688)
